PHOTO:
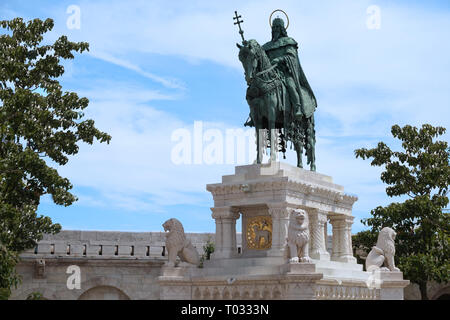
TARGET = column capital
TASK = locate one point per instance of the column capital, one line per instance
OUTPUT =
(279, 210)
(340, 219)
(225, 213)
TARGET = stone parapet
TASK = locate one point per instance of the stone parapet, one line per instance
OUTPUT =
(109, 244)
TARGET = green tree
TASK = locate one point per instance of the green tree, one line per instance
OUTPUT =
(362, 243)
(421, 173)
(39, 124)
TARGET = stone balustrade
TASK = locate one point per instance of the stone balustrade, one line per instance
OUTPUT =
(109, 244)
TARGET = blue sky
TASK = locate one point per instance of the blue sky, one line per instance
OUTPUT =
(156, 66)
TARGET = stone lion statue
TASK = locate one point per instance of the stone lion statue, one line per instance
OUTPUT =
(298, 237)
(383, 253)
(178, 245)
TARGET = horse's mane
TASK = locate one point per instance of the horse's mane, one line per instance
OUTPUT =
(261, 54)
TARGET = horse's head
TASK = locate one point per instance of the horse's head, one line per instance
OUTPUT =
(249, 55)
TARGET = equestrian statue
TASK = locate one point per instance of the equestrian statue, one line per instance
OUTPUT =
(281, 101)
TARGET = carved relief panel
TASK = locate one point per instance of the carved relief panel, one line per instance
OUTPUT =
(259, 232)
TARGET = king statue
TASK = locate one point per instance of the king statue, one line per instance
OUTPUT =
(282, 51)
(281, 101)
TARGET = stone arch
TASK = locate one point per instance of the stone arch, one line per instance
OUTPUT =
(104, 293)
(102, 281)
(442, 294)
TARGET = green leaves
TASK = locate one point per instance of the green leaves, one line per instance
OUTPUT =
(422, 168)
(38, 122)
(8, 275)
(422, 172)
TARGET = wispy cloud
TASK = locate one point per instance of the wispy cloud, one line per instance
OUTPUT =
(169, 83)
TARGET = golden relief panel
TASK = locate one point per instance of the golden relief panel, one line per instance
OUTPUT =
(259, 232)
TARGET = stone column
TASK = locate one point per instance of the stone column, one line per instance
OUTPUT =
(225, 246)
(280, 222)
(317, 221)
(342, 238)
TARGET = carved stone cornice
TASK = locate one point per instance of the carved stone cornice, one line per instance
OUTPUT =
(292, 187)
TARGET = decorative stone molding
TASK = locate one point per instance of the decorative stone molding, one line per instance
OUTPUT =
(225, 213)
(294, 189)
(237, 292)
(346, 292)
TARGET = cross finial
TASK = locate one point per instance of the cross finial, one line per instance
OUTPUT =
(238, 22)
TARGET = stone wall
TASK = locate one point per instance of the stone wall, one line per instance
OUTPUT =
(112, 265)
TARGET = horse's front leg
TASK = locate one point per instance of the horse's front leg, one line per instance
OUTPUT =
(259, 144)
(312, 158)
(299, 149)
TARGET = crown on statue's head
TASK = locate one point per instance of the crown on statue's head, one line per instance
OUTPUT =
(277, 22)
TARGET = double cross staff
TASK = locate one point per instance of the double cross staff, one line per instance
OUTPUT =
(238, 22)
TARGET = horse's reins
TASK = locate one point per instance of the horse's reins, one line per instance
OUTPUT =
(265, 71)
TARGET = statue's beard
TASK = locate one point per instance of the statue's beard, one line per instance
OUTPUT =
(275, 35)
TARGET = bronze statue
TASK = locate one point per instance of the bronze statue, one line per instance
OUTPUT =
(280, 98)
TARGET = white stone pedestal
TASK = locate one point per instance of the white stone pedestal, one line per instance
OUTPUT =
(389, 283)
(264, 195)
(175, 282)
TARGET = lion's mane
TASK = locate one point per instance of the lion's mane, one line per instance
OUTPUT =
(176, 237)
(383, 252)
(297, 230)
(386, 241)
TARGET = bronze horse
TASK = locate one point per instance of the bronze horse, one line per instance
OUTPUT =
(270, 108)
